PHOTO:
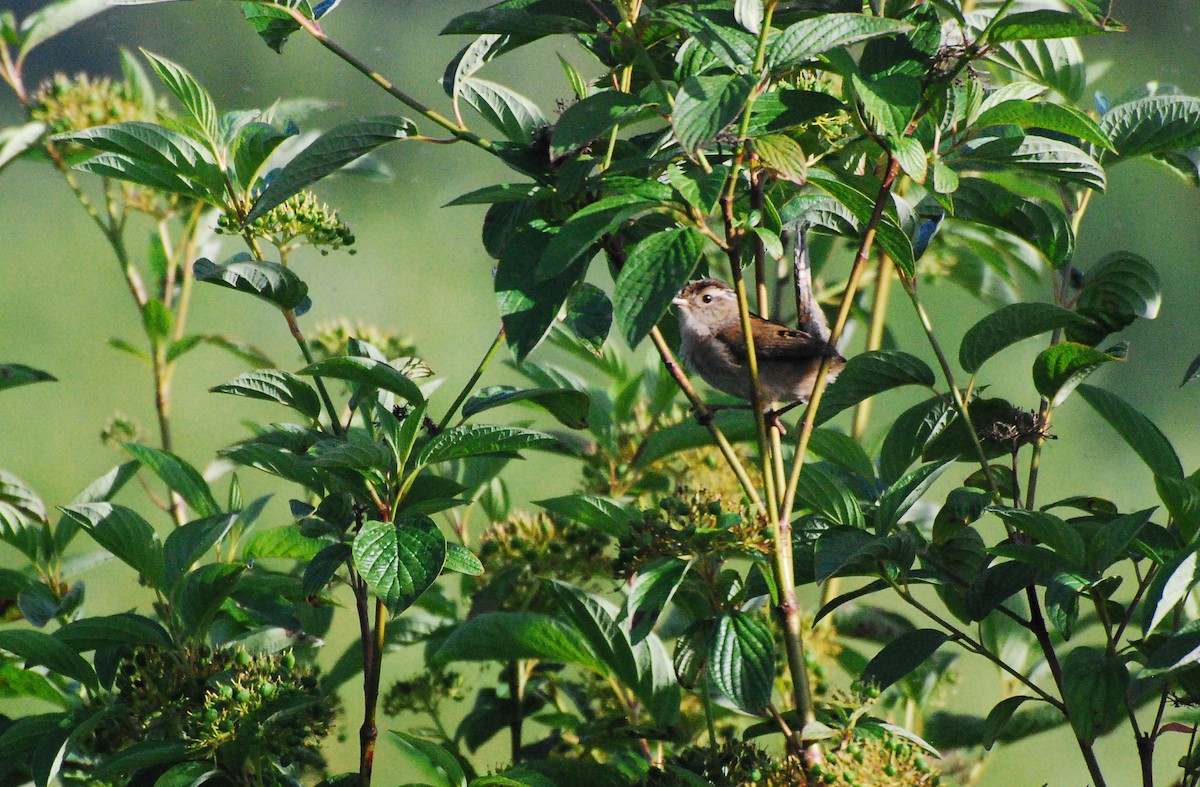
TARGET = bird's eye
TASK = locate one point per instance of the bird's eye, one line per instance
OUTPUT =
(707, 299)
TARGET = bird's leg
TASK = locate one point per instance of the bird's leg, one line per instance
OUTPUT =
(705, 419)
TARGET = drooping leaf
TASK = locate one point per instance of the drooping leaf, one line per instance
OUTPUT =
(584, 228)
(128, 628)
(54, 18)
(178, 475)
(1044, 115)
(705, 106)
(901, 656)
(529, 304)
(1039, 24)
(1040, 156)
(593, 117)
(504, 636)
(1094, 686)
(269, 281)
(656, 270)
(589, 316)
(37, 648)
(1048, 529)
(1118, 289)
(511, 113)
(125, 533)
(650, 593)
(1152, 126)
(822, 492)
(1138, 431)
(327, 154)
(1043, 224)
(480, 440)
(889, 235)
(871, 373)
(275, 385)
(400, 560)
(437, 757)
(567, 405)
(1008, 325)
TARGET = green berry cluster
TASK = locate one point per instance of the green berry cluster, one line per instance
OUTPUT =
(691, 523)
(526, 547)
(734, 764)
(875, 760)
(66, 103)
(301, 220)
(249, 713)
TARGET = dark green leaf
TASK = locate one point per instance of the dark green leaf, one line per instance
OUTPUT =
(999, 715)
(1094, 686)
(591, 118)
(1044, 115)
(650, 593)
(889, 235)
(592, 618)
(1040, 156)
(568, 406)
(322, 567)
(144, 754)
(808, 38)
(1153, 126)
(586, 226)
(187, 774)
(657, 269)
(1120, 288)
(201, 593)
(741, 659)
(41, 649)
(438, 758)
(367, 372)
(1137, 430)
(705, 106)
(464, 441)
(902, 656)
(187, 544)
(1008, 325)
(1059, 369)
(905, 441)
(252, 145)
(275, 385)
(845, 547)
(1048, 529)
(1043, 224)
(529, 305)
(897, 499)
(589, 316)
(270, 281)
(822, 492)
(841, 449)
(503, 192)
(14, 374)
(871, 373)
(328, 153)
(178, 475)
(509, 112)
(400, 560)
(889, 101)
(91, 633)
(195, 99)
(505, 636)
(1039, 24)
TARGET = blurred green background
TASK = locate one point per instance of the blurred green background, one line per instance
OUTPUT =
(421, 270)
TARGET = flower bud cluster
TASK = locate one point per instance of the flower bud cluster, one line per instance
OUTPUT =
(301, 220)
(67, 104)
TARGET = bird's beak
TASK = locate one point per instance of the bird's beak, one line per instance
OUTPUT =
(678, 302)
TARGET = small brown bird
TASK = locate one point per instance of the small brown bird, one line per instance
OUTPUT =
(715, 348)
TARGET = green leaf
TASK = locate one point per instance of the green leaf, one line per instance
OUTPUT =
(1011, 324)
(272, 23)
(400, 560)
(1049, 530)
(593, 117)
(912, 157)
(462, 560)
(1120, 288)
(17, 139)
(327, 154)
(897, 499)
(890, 101)
(808, 38)
(889, 235)
(322, 567)
(367, 372)
(195, 99)
(472, 440)
(44, 650)
(1039, 24)
(1043, 224)
(749, 14)
(187, 774)
(54, 18)
(568, 406)
(593, 618)
(589, 316)
(656, 270)
(584, 228)
(1094, 687)
(1044, 115)
(269, 281)
(602, 513)
(1136, 430)
(144, 754)
(821, 491)
(901, 656)
(783, 156)
(16, 682)
(188, 543)
(1039, 156)
(281, 542)
(14, 374)
(998, 716)
(437, 757)
(706, 106)
(871, 373)
(841, 449)
(178, 475)
(512, 114)
(650, 593)
(1059, 369)
(99, 631)
(529, 304)
(1170, 586)
(201, 593)
(506, 636)
(1153, 126)
(252, 146)
(741, 657)
(126, 534)
(275, 385)
(501, 192)
(472, 57)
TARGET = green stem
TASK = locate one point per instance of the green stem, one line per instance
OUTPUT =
(466, 391)
(335, 423)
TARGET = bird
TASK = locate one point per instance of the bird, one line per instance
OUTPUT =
(713, 345)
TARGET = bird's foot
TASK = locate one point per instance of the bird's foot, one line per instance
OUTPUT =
(773, 422)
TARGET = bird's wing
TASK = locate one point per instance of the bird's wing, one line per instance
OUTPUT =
(773, 341)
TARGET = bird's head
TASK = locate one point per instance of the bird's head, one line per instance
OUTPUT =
(707, 305)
